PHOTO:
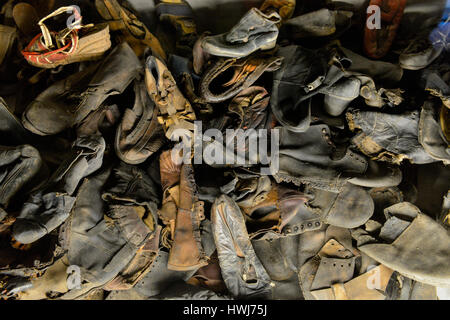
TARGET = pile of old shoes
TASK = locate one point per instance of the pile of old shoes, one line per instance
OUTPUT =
(296, 152)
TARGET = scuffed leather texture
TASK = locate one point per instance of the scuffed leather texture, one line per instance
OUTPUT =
(184, 291)
(159, 277)
(279, 256)
(121, 17)
(17, 166)
(340, 95)
(11, 128)
(101, 238)
(68, 102)
(242, 271)
(300, 67)
(307, 158)
(247, 71)
(381, 71)
(247, 111)
(86, 157)
(174, 110)
(42, 213)
(139, 134)
(131, 184)
(254, 31)
(431, 136)
(318, 23)
(139, 265)
(295, 215)
(187, 251)
(304, 73)
(332, 251)
(423, 259)
(395, 133)
(349, 208)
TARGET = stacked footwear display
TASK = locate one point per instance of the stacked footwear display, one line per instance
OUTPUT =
(298, 152)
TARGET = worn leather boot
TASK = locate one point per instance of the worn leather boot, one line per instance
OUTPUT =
(139, 135)
(242, 271)
(246, 72)
(49, 206)
(388, 137)
(107, 229)
(304, 73)
(340, 95)
(159, 278)
(279, 256)
(68, 102)
(331, 167)
(333, 264)
(349, 208)
(187, 252)
(255, 31)
(318, 23)
(175, 111)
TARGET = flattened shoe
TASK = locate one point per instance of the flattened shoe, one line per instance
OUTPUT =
(412, 244)
(333, 263)
(318, 23)
(255, 31)
(139, 135)
(328, 168)
(69, 101)
(372, 285)
(242, 271)
(279, 256)
(159, 277)
(77, 43)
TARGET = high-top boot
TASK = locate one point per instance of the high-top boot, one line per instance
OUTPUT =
(187, 251)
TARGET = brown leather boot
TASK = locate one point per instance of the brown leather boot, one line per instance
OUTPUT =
(170, 181)
(187, 250)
